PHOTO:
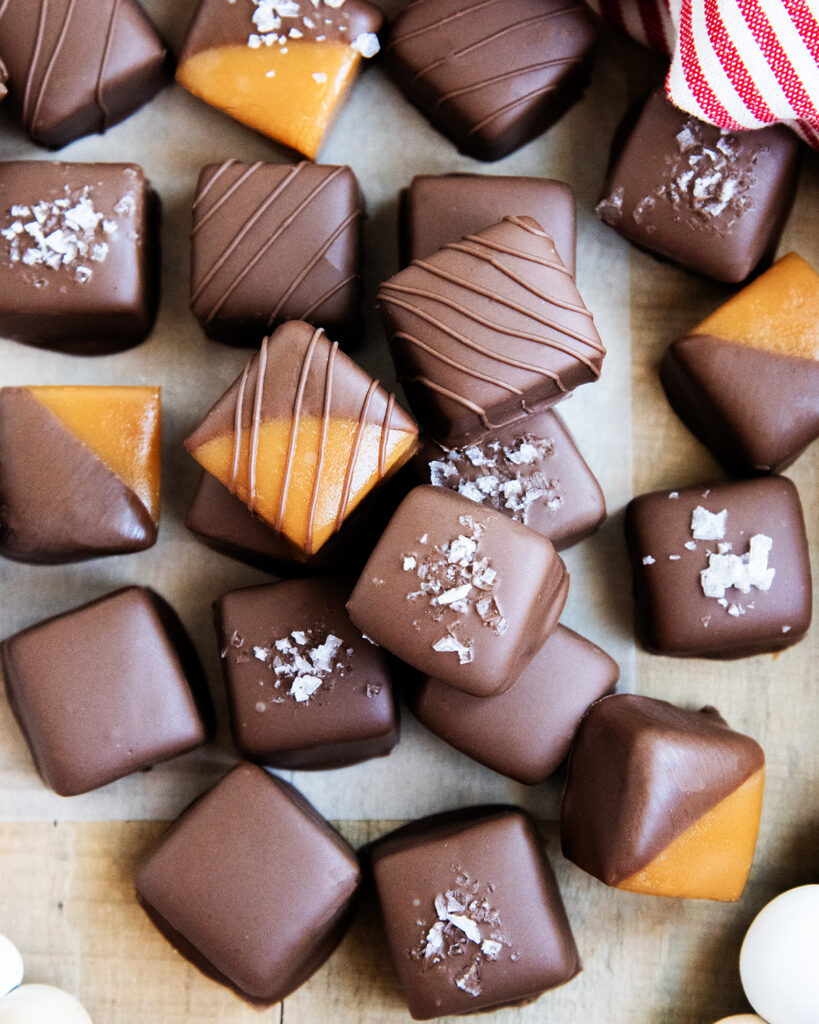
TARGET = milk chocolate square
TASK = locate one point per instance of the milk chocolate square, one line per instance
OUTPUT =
(275, 242)
(721, 570)
(305, 689)
(491, 76)
(79, 66)
(78, 255)
(525, 732)
(106, 689)
(531, 471)
(472, 911)
(252, 885)
(712, 201)
(460, 592)
(441, 208)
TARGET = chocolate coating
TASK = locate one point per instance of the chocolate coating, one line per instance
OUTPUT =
(558, 495)
(89, 286)
(525, 732)
(444, 592)
(275, 242)
(478, 880)
(677, 616)
(252, 885)
(106, 689)
(711, 201)
(277, 717)
(491, 76)
(756, 411)
(488, 329)
(58, 501)
(79, 66)
(4, 77)
(441, 208)
(640, 773)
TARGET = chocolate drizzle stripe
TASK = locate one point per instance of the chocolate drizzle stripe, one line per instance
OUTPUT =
(248, 173)
(309, 266)
(309, 198)
(32, 71)
(453, 395)
(353, 460)
(106, 50)
(217, 174)
(328, 295)
(237, 430)
(549, 87)
(55, 53)
(294, 426)
(484, 82)
(256, 422)
(506, 250)
(237, 239)
(385, 436)
(437, 23)
(470, 371)
(325, 422)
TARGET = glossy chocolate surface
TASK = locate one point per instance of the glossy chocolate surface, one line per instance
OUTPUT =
(304, 688)
(526, 732)
(472, 912)
(59, 502)
(79, 66)
(531, 471)
(78, 251)
(252, 885)
(441, 208)
(491, 76)
(275, 242)
(487, 330)
(106, 689)
(712, 201)
(444, 592)
(640, 773)
(677, 616)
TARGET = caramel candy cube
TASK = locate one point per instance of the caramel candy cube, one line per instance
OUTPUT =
(281, 69)
(303, 435)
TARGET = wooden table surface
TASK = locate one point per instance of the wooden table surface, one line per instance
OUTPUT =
(66, 895)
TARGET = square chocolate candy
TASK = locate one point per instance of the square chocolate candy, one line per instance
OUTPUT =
(531, 471)
(702, 197)
(721, 570)
(472, 911)
(305, 689)
(252, 885)
(106, 689)
(78, 255)
(275, 242)
(525, 732)
(491, 76)
(460, 592)
(441, 208)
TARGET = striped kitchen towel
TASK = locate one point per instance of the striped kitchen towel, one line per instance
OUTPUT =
(735, 63)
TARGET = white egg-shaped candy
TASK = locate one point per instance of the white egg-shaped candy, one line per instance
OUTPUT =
(41, 1004)
(11, 966)
(779, 960)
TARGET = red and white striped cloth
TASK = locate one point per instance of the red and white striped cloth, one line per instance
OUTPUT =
(736, 63)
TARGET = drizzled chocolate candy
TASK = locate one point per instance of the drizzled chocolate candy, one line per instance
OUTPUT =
(275, 242)
(303, 435)
(491, 76)
(443, 590)
(472, 911)
(79, 66)
(488, 329)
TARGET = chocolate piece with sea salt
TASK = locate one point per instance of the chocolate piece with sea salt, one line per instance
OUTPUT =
(472, 912)
(445, 591)
(251, 885)
(79, 66)
(78, 255)
(721, 570)
(531, 471)
(305, 689)
(712, 201)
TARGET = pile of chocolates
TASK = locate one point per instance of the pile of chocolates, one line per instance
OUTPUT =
(419, 560)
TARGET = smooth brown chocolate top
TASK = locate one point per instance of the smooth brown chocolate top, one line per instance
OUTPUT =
(641, 772)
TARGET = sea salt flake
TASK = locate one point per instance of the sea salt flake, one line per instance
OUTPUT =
(450, 644)
(469, 980)
(303, 687)
(366, 43)
(707, 525)
(691, 545)
(260, 653)
(648, 560)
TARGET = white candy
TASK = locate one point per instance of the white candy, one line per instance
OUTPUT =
(779, 958)
(11, 966)
(41, 1004)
